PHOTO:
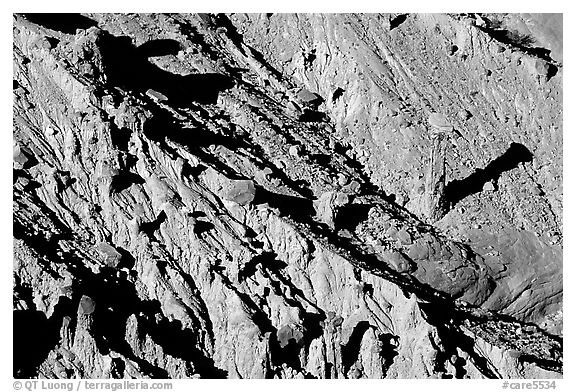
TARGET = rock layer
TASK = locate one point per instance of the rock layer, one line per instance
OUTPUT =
(193, 198)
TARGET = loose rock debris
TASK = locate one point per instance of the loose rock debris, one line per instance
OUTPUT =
(344, 196)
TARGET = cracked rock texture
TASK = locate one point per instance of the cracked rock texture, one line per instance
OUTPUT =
(248, 196)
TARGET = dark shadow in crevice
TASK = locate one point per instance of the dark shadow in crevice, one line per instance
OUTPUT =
(297, 208)
(368, 289)
(546, 364)
(198, 214)
(397, 21)
(256, 314)
(351, 349)
(125, 180)
(552, 71)
(31, 160)
(127, 260)
(178, 342)
(193, 172)
(389, 349)
(223, 21)
(22, 293)
(65, 23)
(53, 42)
(159, 47)
(271, 268)
(162, 127)
(120, 138)
(40, 245)
(30, 186)
(250, 233)
(328, 370)
(366, 185)
(237, 72)
(116, 300)
(113, 294)
(321, 159)
(196, 37)
(286, 349)
(457, 190)
(443, 318)
(128, 67)
(201, 227)
(337, 94)
(128, 161)
(288, 354)
(192, 138)
(517, 40)
(33, 337)
(267, 260)
(149, 228)
(309, 59)
(351, 215)
(313, 116)
(117, 368)
(64, 180)
(312, 323)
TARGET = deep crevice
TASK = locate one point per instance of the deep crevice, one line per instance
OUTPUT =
(397, 21)
(128, 66)
(66, 23)
(351, 349)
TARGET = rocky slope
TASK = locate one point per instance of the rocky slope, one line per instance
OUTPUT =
(287, 196)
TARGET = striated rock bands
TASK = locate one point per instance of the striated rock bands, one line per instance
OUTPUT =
(287, 196)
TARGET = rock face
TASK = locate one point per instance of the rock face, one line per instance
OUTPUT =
(194, 198)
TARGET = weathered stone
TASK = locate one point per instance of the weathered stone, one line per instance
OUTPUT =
(541, 67)
(337, 321)
(294, 151)
(404, 237)
(110, 256)
(488, 187)
(342, 180)
(288, 333)
(328, 204)
(241, 192)
(440, 122)
(86, 306)
(353, 187)
(20, 157)
(419, 250)
(156, 96)
(396, 260)
(308, 97)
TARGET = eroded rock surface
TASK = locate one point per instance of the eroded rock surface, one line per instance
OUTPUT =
(245, 196)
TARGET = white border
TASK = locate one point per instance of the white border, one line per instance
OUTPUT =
(297, 6)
